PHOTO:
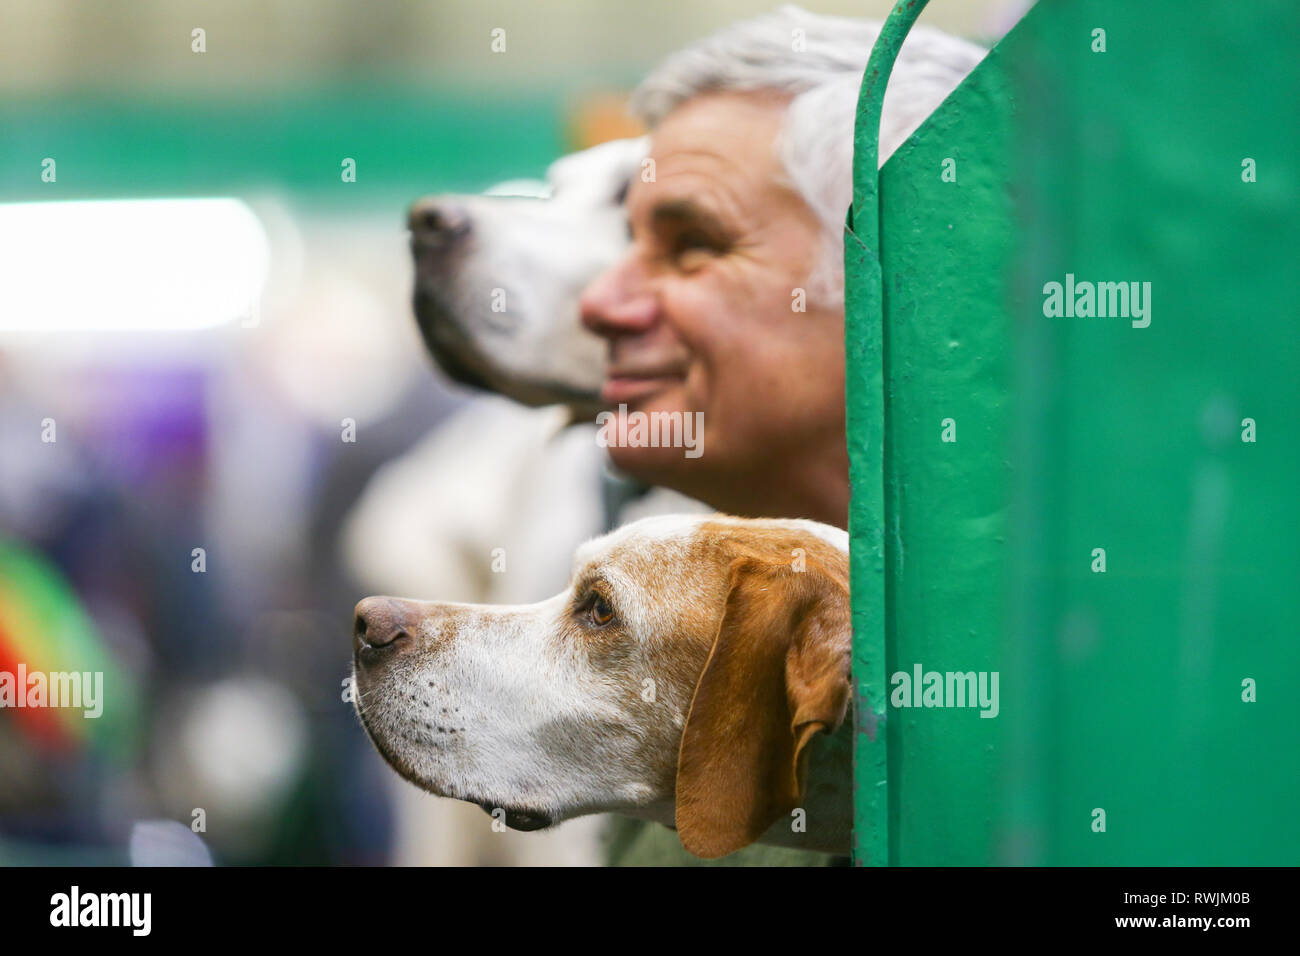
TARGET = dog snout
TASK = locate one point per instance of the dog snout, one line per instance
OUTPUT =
(382, 624)
(438, 221)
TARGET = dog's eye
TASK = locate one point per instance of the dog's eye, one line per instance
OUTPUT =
(600, 612)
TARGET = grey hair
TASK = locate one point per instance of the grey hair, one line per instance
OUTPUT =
(818, 61)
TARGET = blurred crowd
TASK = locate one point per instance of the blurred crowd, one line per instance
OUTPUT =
(223, 666)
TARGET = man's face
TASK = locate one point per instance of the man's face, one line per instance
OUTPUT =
(700, 316)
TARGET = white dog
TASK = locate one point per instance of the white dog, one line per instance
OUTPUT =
(681, 677)
(498, 276)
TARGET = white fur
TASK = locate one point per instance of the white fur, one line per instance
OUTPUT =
(542, 722)
(496, 476)
(541, 253)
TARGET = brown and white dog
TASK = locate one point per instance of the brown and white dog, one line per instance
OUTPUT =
(682, 677)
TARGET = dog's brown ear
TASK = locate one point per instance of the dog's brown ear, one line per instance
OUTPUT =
(778, 674)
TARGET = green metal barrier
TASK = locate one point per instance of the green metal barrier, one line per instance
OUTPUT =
(1101, 510)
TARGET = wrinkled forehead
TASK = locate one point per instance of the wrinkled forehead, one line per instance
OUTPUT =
(722, 135)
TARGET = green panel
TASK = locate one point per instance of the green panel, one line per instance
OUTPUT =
(946, 238)
(865, 418)
(1121, 690)
(942, 352)
(406, 142)
(1131, 437)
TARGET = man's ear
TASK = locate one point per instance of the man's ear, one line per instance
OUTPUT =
(778, 674)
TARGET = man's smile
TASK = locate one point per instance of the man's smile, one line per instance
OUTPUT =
(631, 378)
(635, 386)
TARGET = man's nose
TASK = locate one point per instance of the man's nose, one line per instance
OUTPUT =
(617, 301)
(382, 624)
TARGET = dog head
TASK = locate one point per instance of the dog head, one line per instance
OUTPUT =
(498, 277)
(680, 677)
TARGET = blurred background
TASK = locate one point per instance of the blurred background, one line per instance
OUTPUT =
(174, 457)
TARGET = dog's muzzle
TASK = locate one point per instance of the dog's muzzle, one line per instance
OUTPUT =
(381, 628)
(437, 225)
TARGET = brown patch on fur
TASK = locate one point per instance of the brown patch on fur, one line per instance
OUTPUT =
(777, 675)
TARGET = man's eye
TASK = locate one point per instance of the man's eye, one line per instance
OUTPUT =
(600, 612)
(692, 251)
(695, 242)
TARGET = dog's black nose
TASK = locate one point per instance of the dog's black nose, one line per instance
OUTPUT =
(438, 220)
(381, 622)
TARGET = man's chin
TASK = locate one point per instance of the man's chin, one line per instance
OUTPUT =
(665, 464)
(653, 436)
(650, 465)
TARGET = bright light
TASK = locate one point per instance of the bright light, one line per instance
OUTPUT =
(168, 265)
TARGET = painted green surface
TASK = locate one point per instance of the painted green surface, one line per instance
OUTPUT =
(865, 422)
(1121, 690)
(406, 142)
(1131, 438)
(946, 238)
